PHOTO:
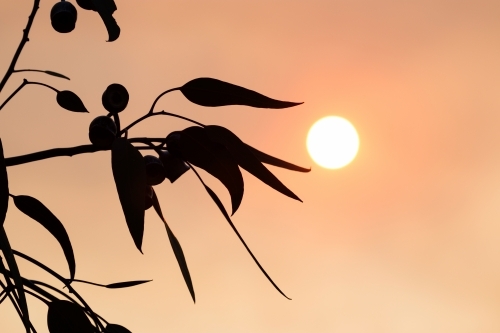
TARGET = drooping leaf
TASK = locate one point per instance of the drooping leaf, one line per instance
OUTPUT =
(56, 74)
(16, 275)
(176, 247)
(197, 148)
(129, 172)
(212, 92)
(217, 201)
(106, 8)
(268, 159)
(114, 328)
(4, 187)
(246, 158)
(126, 284)
(70, 101)
(38, 212)
(64, 316)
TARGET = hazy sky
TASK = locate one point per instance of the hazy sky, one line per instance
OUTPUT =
(404, 239)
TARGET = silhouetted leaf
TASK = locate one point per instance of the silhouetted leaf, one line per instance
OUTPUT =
(57, 74)
(38, 212)
(4, 187)
(70, 101)
(129, 172)
(212, 92)
(198, 149)
(268, 159)
(18, 283)
(64, 317)
(246, 158)
(106, 8)
(114, 328)
(176, 247)
(223, 211)
(126, 284)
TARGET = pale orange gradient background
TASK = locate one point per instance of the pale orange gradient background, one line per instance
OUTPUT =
(405, 239)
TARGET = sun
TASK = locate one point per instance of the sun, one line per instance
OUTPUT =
(332, 142)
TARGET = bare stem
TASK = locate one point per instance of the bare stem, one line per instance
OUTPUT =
(14, 93)
(161, 113)
(160, 96)
(24, 40)
(56, 152)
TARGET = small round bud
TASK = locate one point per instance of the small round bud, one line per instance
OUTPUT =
(63, 17)
(115, 98)
(102, 132)
(173, 143)
(154, 170)
(174, 166)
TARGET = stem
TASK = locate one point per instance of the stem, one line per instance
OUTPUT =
(55, 152)
(160, 96)
(42, 84)
(25, 39)
(161, 113)
(14, 93)
(27, 70)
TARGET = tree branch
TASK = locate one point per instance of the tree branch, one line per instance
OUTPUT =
(24, 40)
(56, 152)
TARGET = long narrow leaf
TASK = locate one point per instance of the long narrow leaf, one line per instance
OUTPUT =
(56, 74)
(212, 92)
(129, 172)
(176, 247)
(197, 148)
(4, 187)
(268, 159)
(219, 204)
(116, 285)
(38, 212)
(246, 159)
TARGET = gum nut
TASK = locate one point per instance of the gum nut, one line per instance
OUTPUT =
(154, 170)
(148, 198)
(115, 98)
(102, 132)
(63, 17)
(173, 143)
(174, 166)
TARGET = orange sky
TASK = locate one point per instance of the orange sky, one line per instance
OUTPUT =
(405, 239)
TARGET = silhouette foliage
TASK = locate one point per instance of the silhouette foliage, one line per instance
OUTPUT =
(213, 148)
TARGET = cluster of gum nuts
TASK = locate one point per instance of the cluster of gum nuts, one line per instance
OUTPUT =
(103, 131)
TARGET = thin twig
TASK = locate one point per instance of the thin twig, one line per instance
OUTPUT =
(14, 93)
(55, 152)
(160, 96)
(161, 113)
(24, 40)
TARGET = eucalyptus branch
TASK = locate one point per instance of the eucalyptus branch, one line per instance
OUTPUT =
(24, 40)
(64, 281)
(41, 84)
(160, 113)
(50, 153)
(160, 96)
